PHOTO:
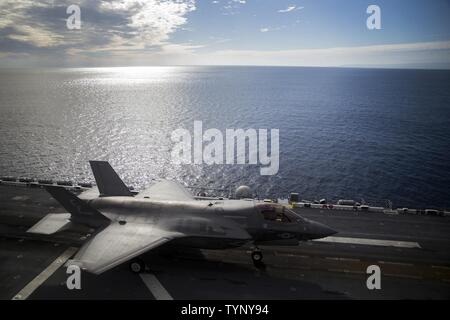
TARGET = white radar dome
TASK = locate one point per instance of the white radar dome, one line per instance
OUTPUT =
(243, 192)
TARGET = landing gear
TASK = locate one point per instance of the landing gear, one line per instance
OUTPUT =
(257, 256)
(137, 266)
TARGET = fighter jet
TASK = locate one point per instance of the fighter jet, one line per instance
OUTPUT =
(127, 225)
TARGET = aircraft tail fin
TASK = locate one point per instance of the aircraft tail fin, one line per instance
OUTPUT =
(108, 182)
(81, 212)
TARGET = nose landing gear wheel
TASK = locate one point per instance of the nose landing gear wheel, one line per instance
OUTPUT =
(257, 256)
(137, 266)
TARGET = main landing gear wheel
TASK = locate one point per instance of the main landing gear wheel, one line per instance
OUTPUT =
(257, 256)
(137, 266)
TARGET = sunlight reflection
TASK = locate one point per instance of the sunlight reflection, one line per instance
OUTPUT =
(137, 74)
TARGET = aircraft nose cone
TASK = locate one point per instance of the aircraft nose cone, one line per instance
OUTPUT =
(320, 230)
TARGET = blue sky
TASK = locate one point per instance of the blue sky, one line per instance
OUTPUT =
(414, 33)
(319, 24)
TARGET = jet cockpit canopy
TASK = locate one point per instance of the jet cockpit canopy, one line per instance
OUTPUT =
(277, 213)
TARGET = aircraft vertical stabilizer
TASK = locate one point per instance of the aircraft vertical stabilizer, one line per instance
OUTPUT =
(108, 182)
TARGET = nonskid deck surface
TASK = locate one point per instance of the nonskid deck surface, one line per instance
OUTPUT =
(413, 253)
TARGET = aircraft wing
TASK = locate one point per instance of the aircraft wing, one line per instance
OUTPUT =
(166, 190)
(119, 243)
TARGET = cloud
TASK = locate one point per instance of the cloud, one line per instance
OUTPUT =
(151, 21)
(267, 29)
(112, 24)
(35, 36)
(421, 53)
(218, 40)
(232, 7)
(21, 25)
(289, 9)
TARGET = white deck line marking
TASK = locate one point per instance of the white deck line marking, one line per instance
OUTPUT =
(371, 242)
(440, 267)
(403, 276)
(44, 275)
(155, 287)
(332, 258)
(396, 263)
(342, 259)
(286, 254)
(349, 259)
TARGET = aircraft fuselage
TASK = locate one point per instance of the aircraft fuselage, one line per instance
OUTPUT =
(190, 216)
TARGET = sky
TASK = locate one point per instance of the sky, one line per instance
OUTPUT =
(413, 33)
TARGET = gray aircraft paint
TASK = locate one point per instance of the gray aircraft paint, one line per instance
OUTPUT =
(128, 226)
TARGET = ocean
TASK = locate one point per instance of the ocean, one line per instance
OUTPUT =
(363, 134)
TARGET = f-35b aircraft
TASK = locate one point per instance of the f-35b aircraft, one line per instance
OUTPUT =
(127, 225)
